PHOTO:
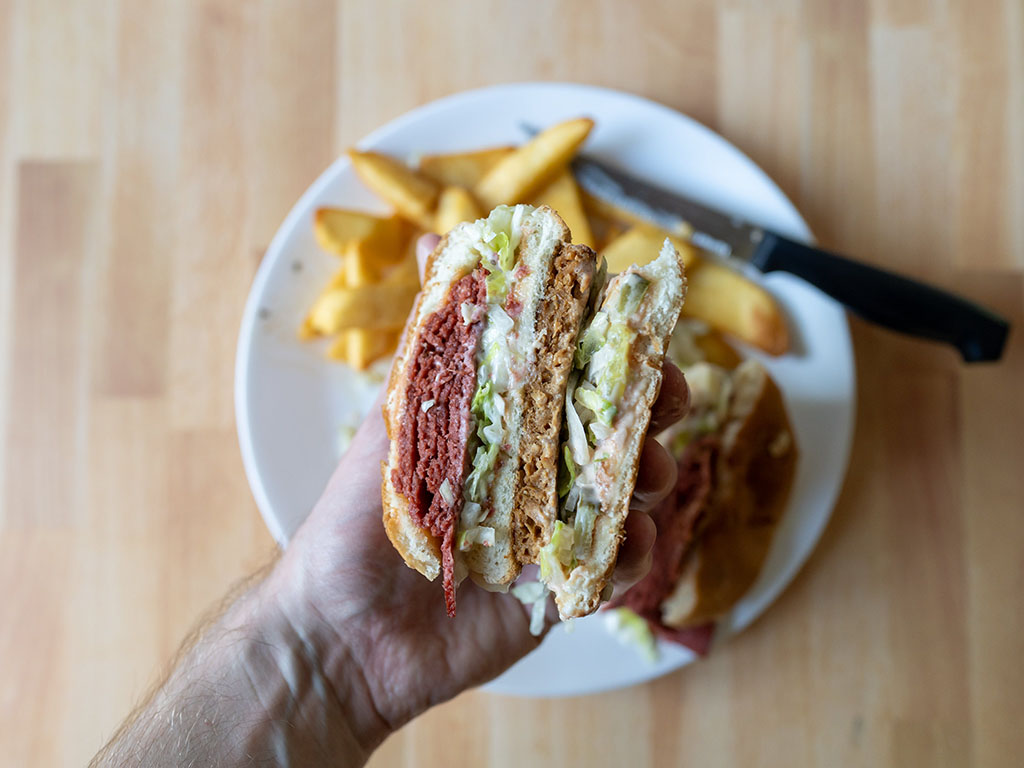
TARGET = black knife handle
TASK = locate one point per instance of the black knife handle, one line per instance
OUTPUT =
(885, 298)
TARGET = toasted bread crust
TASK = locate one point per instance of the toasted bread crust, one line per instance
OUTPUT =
(418, 548)
(558, 322)
(581, 592)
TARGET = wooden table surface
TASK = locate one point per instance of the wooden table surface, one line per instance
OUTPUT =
(148, 152)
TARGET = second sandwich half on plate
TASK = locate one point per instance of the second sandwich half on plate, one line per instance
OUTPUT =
(518, 404)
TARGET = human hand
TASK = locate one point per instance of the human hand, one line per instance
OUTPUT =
(379, 629)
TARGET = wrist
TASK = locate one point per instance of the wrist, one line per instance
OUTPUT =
(322, 665)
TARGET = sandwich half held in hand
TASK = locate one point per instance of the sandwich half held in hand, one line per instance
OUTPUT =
(616, 378)
(474, 408)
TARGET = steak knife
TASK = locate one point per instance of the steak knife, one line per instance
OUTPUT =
(879, 296)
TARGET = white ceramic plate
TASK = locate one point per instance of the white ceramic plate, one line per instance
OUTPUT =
(292, 404)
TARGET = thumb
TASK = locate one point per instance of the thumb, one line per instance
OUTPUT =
(424, 247)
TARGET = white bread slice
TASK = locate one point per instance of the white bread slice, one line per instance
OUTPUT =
(544, 238)
(580, 593)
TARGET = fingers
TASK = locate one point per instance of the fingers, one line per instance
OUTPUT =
(673, 400)
(656, 476)
(656, 479)
(424, 247)
(634, 560)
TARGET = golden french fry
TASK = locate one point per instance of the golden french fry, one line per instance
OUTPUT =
(338, 349)
(603, 229)
(411, 193)
(365, 261)
(335, 228)
(514, 178)
(641, 244)
(455, 206)
(360, 265)
(359, 347)
(563, 195)
(406, 272)
(338, 280)
(729, 302)
(462, 169)
(306, 330)
(717, 350)
(602, 209)
(375, 306)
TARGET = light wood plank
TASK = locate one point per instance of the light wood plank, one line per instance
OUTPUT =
(45, 428)
(982, 125)
(60, 64)
(141, 158)
(992, 422)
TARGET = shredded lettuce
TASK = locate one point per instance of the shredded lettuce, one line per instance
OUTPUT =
(603, 410)
(497, 286)
(470, 312)
(472, 514)
(598, 432)
(447, 493)
(598, 382)
(483, 392)
(529, 592)
(535, 594)
(499, 238)
(502, 245)
(537, 613)
(609, 366)
(591, 340)
(555, 557)
(583, 526)
(577, 434)
(631, 293)
(566, 472)
(483, 466)
(631, 629)
(479, 534)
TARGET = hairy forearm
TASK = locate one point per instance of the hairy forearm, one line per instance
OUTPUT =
(250, 689)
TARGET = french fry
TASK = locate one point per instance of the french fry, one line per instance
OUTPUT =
(717, 350)
(729, 302)
(406, 272)
(359, 347)
(603, 230)
(563, 195)
(375, 306)
(462, 169)
(366, 261)
(602, 209)
(306, 330)
(335, 228)
(338, 280)
(411, 193)
(641, 244)
(360, 265)
(454, 206)
(514, 178)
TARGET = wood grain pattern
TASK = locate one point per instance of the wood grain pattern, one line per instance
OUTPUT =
(149, 150)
